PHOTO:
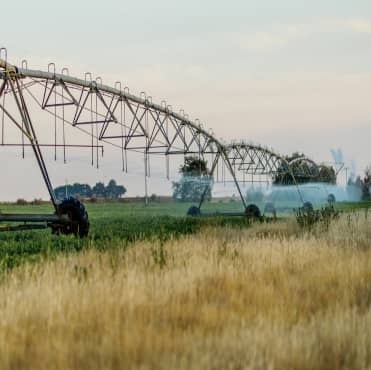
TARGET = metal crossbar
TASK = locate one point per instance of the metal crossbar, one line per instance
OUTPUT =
(125, 121)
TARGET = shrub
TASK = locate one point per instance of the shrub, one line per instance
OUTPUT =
(37, 202)
(307, 218)
(21, 202)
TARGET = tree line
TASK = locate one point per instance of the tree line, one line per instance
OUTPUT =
(196, 177)
(304, 172)
(194, 181)
(99, 190)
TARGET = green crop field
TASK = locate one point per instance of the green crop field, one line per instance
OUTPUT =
(152, 289)
(112, 225)
(118, 225)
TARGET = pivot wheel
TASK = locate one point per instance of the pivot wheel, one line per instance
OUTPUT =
(331, 198)
(252, 211)
(194, 211)
(79, 220)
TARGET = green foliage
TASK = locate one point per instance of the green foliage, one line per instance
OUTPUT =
(304, 171)
(112, 226)
(308, 218)
(194, 166)
(363, 185)
(190, 189)
(326, 174)
(111, 191)
(194, 182)
(21, 202)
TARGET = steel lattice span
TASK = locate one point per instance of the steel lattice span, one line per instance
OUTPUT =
(113, 116)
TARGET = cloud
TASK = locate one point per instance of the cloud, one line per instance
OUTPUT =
(358, 25)
(276, 37)
(270, 39)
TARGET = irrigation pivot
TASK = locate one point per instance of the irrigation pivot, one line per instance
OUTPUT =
(111, 116)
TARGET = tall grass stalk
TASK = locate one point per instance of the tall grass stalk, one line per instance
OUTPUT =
(267, 297)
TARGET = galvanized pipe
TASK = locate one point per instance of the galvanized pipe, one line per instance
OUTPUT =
(196, 130)
(30, 217)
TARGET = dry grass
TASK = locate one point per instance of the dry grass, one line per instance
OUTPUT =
(262, 298)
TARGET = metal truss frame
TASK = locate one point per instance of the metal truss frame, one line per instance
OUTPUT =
(114, 116)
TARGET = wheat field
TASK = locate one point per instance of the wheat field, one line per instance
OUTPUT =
(266, 297)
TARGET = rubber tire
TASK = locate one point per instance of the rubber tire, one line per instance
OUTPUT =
(252, 211)
(77, 213)
(331, 198)
(194, 211)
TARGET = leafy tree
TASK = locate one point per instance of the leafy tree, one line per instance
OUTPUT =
(363, 184)
(99, 190)
(76, 190)
(195, 179)
(327, 174)
(304, 172)
(112, 190)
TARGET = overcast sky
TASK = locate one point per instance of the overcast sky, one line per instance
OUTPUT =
(291, 74)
